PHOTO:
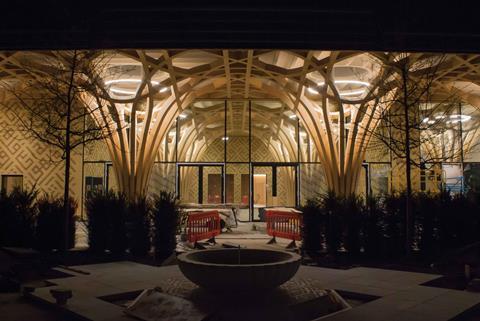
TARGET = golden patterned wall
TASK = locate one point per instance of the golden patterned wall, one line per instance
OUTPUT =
(39, 164)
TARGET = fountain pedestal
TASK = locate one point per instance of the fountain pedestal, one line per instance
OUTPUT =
(239, 270)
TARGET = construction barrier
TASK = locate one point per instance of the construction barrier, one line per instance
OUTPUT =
(285, 225)
(203, 226)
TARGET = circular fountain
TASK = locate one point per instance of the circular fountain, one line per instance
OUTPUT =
(239, 269)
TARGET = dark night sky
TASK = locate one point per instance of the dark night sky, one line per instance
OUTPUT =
(363, 25)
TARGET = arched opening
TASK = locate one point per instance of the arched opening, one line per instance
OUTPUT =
(248, 153)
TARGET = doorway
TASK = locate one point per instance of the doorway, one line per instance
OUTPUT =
(200, 183)
(267, 185)
(272, 185)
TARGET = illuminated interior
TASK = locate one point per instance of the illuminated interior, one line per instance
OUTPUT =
(266, 128)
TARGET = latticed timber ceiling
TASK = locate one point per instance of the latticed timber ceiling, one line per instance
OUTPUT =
(163, 84)
(246, 74)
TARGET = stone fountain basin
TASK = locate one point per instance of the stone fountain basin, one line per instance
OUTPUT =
(221, 269)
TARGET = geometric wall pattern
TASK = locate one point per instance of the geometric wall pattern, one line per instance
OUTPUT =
(38, 163)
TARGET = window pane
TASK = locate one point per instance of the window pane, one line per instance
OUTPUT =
(380, 178)
(189, 184)
(471, 134)
(162, 178)
(237, 131)
(274, 132)
(10, 182)
(201, 132)
(312, 181)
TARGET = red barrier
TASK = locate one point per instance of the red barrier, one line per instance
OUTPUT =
(202, 225)
(285, 225)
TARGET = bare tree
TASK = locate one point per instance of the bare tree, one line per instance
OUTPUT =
(415, 111)
(55, 103)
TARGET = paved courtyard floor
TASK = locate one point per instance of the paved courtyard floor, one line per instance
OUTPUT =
(401, 297)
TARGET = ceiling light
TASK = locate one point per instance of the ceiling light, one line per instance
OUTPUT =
(122, 91)
(348, 82)
(460, 118)
(292, 116)
(225, 138)
(453, 119)
(182, 116)
(312, 91)
(352, 93)
(129, 81)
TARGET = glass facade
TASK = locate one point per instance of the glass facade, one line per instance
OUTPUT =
(256, 153)
(450, 150)
(249, 153)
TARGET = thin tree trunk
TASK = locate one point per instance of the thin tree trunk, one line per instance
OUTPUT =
(66, 195)
(407, 162)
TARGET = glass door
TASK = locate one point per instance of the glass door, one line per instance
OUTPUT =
(272, 185)
(200, 183)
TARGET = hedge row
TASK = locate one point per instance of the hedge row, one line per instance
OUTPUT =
(375, 227)
(116, 224)
(29, 221)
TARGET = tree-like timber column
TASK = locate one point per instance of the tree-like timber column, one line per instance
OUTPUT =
(341, 126)
(133, 144)
(140, 110)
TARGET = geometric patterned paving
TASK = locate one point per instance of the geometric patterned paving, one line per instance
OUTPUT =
(401, 295)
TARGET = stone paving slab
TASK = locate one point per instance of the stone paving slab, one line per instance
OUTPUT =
(402, 298)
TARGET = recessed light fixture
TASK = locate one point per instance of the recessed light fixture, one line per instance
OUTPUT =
(225, 138)
(292, 116)
(182, 116)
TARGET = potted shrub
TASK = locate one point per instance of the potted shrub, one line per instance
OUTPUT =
(138, 227)
(352, 209)
(17, 217)
(332, 208)
(426, 211)
(50, 229)
(106, 213)
(395, 209)
(97, 221)
(313, 228)
(165, 218)
(117, 209)
(373, 227)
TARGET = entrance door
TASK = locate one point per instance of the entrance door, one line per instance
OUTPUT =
(200, 183)
(273, 185)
